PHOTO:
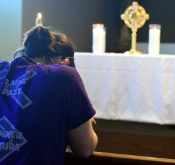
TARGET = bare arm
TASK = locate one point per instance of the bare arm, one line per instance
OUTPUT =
(83, 140)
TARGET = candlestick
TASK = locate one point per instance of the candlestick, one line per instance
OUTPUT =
(39, 21)
(154, 39)
(99, 38)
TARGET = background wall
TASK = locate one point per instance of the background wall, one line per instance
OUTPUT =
(75, 19)
(10, 29)
(161, 12)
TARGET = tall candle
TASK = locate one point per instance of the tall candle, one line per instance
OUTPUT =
(154, 39)
(98, 38)
(39, 21)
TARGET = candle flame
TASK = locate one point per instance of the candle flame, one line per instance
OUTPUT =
(39, 21)
(98, 26)
(39, 15)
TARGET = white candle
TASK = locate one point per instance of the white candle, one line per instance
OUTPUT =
(99, 38)
(39, 21)
(154, 39)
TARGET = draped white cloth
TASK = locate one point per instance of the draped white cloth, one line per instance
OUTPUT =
(130, 87)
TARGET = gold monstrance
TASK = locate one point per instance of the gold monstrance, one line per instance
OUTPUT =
(134, 17)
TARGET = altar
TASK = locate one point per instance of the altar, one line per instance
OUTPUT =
(137, 88)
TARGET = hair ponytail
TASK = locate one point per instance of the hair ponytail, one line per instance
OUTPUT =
(36, 41)
(40, 42)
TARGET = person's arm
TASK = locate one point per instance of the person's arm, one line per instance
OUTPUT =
(83, 140)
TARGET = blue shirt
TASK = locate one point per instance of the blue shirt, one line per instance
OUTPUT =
(38, 105)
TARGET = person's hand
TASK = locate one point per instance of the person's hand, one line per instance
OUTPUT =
(93, 121)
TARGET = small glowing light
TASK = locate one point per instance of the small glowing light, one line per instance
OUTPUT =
(39, 15)
(39, 21)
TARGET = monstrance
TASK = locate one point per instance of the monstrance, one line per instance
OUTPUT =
(134, 17)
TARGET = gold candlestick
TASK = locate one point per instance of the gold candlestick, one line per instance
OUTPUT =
(134, 17)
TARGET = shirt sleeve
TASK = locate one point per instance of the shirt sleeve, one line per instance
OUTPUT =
(79, 107)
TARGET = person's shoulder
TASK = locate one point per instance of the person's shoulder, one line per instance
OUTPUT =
(3, 62)
(59, 70)
(67, 70)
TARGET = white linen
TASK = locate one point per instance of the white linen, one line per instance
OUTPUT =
(130, 87)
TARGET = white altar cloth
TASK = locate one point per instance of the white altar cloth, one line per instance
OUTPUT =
(130, 87)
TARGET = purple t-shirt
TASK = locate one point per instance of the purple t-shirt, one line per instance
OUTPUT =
(38, 105)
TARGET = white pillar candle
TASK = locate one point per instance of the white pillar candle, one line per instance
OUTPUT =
(154, 39)
(39, 21)
(98, 38)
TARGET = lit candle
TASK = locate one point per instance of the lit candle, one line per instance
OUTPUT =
(99, 38)
(154, 39)
(39, 21)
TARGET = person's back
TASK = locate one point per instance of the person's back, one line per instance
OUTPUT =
(40, 107)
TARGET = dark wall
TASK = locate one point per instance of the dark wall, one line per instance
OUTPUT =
(75, 18)
(161, 12)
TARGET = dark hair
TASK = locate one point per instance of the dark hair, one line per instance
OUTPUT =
(64, 47)
(41, 41)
